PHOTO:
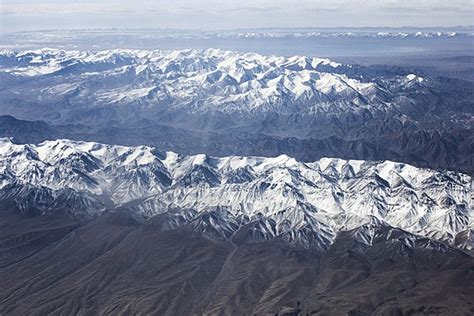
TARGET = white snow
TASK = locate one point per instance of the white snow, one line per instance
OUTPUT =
(413, 201)
(209, 79)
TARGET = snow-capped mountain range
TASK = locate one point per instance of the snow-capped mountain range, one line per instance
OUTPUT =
(316, 34)
(200, 81)
(229, 103)
(303, 203)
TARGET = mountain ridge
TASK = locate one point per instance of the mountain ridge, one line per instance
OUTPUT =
(279, 197)
(226, 103)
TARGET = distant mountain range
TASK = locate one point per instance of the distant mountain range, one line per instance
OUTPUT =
(225, 103)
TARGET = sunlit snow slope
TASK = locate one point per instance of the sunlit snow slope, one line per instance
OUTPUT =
(304, 203)
(227, 103)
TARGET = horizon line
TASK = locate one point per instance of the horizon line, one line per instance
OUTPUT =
(471, 26)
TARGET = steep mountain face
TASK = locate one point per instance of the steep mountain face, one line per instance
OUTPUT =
(301, 204)
(225, 103)
(115, 265)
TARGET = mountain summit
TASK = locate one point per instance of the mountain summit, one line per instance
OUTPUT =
(227, 103)
(305, 204)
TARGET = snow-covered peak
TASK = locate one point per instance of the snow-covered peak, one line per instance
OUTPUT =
(200, 80)
(309, 202)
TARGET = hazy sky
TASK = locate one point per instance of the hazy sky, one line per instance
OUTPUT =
(213, 14)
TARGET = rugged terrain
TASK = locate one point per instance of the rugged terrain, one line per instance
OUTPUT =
(214, 182)
(305, 204)
(114, 265)
(227, 103)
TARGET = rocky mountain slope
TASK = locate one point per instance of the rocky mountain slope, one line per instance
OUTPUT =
(304, 204)
(115, 265)
(227, 103)
(198, 182)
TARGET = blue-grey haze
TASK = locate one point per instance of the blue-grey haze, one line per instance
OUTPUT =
(20, 15)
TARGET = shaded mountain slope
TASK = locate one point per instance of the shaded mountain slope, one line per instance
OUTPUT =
(115, 265)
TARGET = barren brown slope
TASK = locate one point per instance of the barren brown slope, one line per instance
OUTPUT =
(115, 265)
